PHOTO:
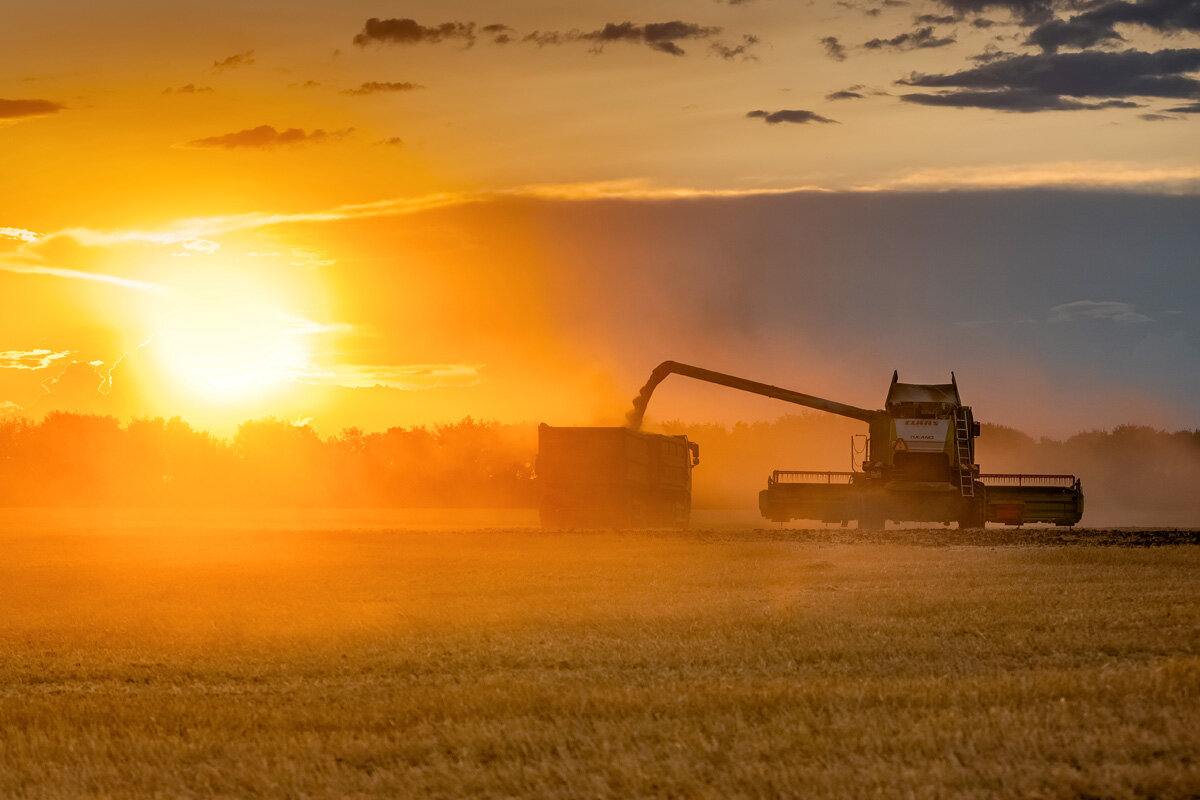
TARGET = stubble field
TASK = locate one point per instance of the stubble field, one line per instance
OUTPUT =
(213, 657)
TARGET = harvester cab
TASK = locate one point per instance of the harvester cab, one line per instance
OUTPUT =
(925, 434)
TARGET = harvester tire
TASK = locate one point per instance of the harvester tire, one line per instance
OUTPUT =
(972, 516)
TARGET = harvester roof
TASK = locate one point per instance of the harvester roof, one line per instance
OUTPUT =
(945, 394)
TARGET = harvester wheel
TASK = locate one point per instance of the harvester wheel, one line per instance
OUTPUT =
(972, 516)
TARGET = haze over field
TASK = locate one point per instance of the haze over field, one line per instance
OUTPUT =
(362, 215)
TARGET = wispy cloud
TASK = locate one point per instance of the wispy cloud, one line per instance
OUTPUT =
(9, 265)
(404, 376)
(378, 87)
(1061, 175)
(188, 88)
(16, 109)
(20, 234)
(232, 62)
(31, 359)
(1109, 310)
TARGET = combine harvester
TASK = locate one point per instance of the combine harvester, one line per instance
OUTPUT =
(918, 466)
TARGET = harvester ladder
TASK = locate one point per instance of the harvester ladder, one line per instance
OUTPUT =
(962, 449)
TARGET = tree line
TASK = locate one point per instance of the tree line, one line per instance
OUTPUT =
(1131, 475)
(71, 459)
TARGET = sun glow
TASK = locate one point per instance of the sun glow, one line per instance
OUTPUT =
(229, 343)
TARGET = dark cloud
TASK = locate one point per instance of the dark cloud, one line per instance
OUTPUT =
(409, 31)
(983, 22)
(1156, 117)
(1028, 12)
(661, 36)
(920, 39)
(1018, 100)
(188, 88)
(500, 33)
(844, 94)
(992, 53)
(1192, 108)
(935, 19)
(1071, 33)
(796, 115)
(376, 87)
(1096, 25)
(544, 38)
(1132, 73)
(13, 109)
(231, 62)
(265, 136)
(834, 48)
(871, 11)
(392, 141)
(742, 51)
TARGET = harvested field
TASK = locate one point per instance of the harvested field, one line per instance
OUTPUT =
(230, 657)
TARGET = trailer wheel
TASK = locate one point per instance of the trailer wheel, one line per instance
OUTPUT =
(872, 522)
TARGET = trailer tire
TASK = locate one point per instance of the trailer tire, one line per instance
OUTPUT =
(872, 522)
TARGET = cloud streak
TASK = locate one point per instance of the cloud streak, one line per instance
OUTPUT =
(920, 39)
(1016, 100)
(408, 377)
(663, 37)
(233, 62)
(18, 109)
(1107, 310)
(266, 137)
(31, 359)
(378, 87)
(1046, 81)
(792, 115)
(8, 265)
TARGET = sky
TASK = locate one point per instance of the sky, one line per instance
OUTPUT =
(379, 213)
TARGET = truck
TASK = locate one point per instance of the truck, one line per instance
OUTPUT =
(613, 477)
(918, 463)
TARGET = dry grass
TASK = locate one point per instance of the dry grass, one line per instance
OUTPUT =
(220, 660)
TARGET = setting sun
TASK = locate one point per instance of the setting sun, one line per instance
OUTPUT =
(228, 343)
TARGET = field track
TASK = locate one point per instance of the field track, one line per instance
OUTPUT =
(239, 657)
(1001, 537)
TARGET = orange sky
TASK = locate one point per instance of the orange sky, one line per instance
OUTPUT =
(225, 211)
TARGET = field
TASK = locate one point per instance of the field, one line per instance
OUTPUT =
(350, 656)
